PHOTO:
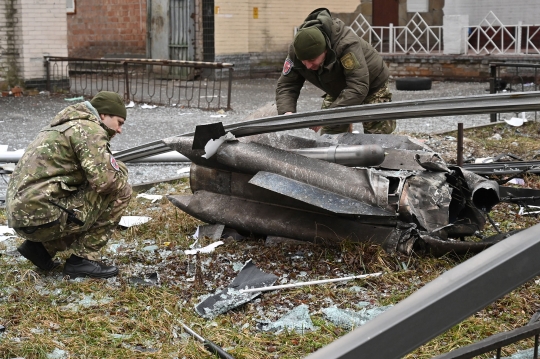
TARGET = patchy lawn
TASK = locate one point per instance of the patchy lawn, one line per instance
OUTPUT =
(48, 316)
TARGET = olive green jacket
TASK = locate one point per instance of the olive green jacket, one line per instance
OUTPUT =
(351, 71)
(71, 152)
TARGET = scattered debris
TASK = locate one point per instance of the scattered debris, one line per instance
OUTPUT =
(6, 233)
(208, 249)
(208, 344)
(518, 181)
(130, 221)
(496, 137)
(226, 299)
(58, 354)
(80, 98)
(349, 319)
(297, 320)
(301, 284)
(150, 280)
(148, 106)
(130, 104)
(152, 197)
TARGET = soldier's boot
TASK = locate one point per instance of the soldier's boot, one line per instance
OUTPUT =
(77, 267)
(36, 253)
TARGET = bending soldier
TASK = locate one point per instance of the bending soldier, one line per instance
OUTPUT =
(332, 57)
(68, 191)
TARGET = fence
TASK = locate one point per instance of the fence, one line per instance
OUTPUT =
(166, 82)
(491, 36)
(509, 76)
(415, 37)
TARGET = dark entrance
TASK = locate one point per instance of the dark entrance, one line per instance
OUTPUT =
(209, 52)
(385, 12)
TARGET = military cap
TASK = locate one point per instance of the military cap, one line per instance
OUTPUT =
(309, 43)
(109, 103)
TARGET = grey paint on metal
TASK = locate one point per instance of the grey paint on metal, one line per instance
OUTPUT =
(363, 185)
(275, 220)
(357, 156)
(159, 29)
(444, 302)
(515, 102)
(316, 196)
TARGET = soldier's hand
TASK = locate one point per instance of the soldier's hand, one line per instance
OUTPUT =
(315, 128)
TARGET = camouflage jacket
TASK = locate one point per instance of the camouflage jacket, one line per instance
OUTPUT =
(352, 69)
(71, 152)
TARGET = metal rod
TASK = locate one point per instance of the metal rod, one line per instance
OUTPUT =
(208, 344)
(229, 90)
(493, 71)
(460, 144)
(301, 284)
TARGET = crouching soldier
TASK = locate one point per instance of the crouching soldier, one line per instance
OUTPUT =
(68, 191)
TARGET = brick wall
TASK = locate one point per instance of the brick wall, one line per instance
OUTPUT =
(10, 43)
(107, 27)
(450, 67)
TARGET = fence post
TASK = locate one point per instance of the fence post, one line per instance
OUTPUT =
(518, 37)
(391, 38)
(126, 80)
(493, 72)
(47, 65)
(229, 89)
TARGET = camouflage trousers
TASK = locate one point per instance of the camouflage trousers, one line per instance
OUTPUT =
(100, 213)
(373, 127)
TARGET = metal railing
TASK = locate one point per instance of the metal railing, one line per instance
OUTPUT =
(496, 343)
(204, 85)
(513, 76)
(491, 36)
(415, 37)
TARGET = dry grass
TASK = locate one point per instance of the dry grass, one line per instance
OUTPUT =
(116, 319)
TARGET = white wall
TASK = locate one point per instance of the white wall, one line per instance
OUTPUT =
(44, 32)
(509, 12)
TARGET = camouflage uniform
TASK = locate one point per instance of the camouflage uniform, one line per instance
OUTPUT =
(373, 127)
(69, 163)
(353, 73)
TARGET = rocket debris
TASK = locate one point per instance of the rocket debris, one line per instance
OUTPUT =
(411, 200)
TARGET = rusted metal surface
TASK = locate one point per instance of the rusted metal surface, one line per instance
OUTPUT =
(165, 82)
(259, 188)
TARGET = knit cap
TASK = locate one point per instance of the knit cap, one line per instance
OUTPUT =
(109, 103)
(309, 43)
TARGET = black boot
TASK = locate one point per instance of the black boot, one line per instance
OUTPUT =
(77, 267)
(36, 253)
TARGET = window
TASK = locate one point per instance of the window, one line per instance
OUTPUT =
(70, 6)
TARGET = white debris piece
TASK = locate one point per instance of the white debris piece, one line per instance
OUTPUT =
(211, 146)
(130, 104)
(130, 221)
(6, 233)
(152, 197)
(208, 249)
(148, 106)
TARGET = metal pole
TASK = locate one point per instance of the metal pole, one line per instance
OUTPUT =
(229, 89)
(126, 77)
(493, 71)
(460, 144)
(47, 65)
